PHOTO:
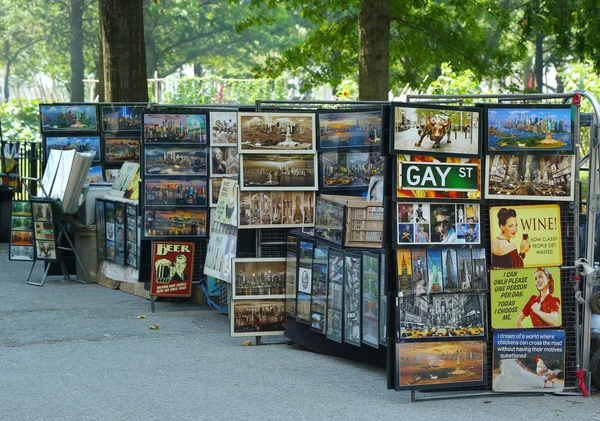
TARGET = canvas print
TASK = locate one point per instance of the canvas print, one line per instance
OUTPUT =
(303, 308)
(21, 223)
(21, 253)
(69, 118)
(23, 238)
(276, 209)
(175, 160)
(529, 129)
(20, 208)
(352, 304)
(370, 299)
(121, 148)
(530, 177)
(174, 128)
(43, 231)
(436, 130)
(175, 191)
(329, 224)
(258, 317)
(94, 175)
(291, 269)
(276, 132)
(121, 118)
(223, 128)
(350, 169)
(257, 278)
(175, 223)
(172, 269)
(431, 365)
(278, 172)
(224, 162)
(45, 250)
(349, 129)
(305, 256)
(77, 143)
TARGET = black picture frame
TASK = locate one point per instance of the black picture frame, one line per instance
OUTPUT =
(304, 281)
(175, 191)
(352, 329)
(318, 303)
(329, 221)
(291, 268)
(335, 296)
(383, 298)
(370, 299)
(133, 147)
(110, 223)
(195, 162)
(369, 127)
(22, 245)
(68, 112)
(66, 137)
(337, 175)
(100, 229)
(161, 127)
(128, 117)
(177, 220)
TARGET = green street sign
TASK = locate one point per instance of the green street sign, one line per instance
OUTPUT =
(438, 176)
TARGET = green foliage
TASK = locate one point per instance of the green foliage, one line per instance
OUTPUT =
(451, 83)
(20, 121)
(347, 91)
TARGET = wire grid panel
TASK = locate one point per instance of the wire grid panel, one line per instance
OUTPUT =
(272, 242)
(199, 258)
(264, 106)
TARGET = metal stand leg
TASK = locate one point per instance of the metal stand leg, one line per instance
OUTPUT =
(153, 303)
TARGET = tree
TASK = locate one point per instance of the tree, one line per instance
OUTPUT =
(122, 50)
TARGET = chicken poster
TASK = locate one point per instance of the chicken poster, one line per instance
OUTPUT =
(526, 298)
(172, 269)
(529, 361)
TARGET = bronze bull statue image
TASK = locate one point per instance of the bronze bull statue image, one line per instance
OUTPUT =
(436, 128)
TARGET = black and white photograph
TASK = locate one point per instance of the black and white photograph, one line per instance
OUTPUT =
(329, 224)
(258, 317)
(352, 298)
(263, 209)
(335, 288)
(21, 253)
(278, 172)
(370, 299)
(223, 128)
(276, 133)
(304, 280)
(258, 278)
(291, 270)
(225, 162)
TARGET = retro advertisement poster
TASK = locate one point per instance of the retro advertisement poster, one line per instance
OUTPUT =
(525, 236)
(226, 211)
(526, 298)
(529, 361)
(172, 269)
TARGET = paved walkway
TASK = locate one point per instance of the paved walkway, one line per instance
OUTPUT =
(79, 352)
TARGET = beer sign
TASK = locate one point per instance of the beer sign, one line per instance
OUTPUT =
(172, 269)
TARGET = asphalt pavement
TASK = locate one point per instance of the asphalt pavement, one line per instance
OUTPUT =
(79, 352)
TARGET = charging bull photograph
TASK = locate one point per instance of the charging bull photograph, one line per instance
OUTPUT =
(440, 130)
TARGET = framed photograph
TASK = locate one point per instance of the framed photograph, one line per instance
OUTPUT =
(120, 233)
(21, 208)
(21, 223)
(121, 148)
(22, 253)
(303, 308)
(335, 296)
(350, 170)
(370, 299)
(383, 299)
(174, 128)
(291, 269)
(110, 175)
(305, 254)
(172, 269)
(69, 118)
(329, 224)
(539, 128)
(100, 229)
(122, 118)
(449, 364)
(214, 187)
(175, 160)
(109, 215)
(440, 316)
(304, 280)
(258, 278)
(436, 130)
(45, 250)
(349, 129)
(437, 223)
(352, 298)
(530, 177)
(223, 128)
(273, 133)
(175, 191)
(175, 223)
(76, 143)
(25, 238)
(278, 172)
(278, 209)
(225, 162)
(263, 317)
(318, 304)
(94, 175)
(43, 231)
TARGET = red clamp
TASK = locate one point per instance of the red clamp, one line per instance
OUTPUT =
(576, 99)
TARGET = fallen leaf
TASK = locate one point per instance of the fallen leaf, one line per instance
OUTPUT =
(487, 401)
(247, 343)
(154, 326)
(141, 316)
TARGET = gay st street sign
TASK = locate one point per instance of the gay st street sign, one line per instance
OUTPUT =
(438, 176)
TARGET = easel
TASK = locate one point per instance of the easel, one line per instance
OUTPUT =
(61, 231)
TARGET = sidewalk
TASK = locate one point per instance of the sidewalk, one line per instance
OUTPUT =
(79, 352)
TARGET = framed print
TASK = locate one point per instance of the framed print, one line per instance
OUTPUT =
(530, 177)
(42, 211)
(94, 175)
(383, 299)
(529, 361)
(21, 223)
(121, 148)
(174, 128)
(119, 233)
(350, 170)
(349, 129)
(537, 233)
(440, 316)
(100, 229)
(437, 223)
(318, 303)
(449, 364)
(76, 143)
(110, 175)
(223, 128)
(436, 130)
(278, 209)
(23, 253)
(526, 298)
(175, 160)
(175, 223)
(43, 231)
(109, 215)
(304, 280)
(214, 187)
(303, 308)
(226, 211)
(21, 208)
(274, 133)
(22, 232)
(539, 128)
(258, 278)
(305, 254)
(370, 299)
(225, 162)
(278, 172)
(175, 191)
(45, 250)
(335, 296)
(172, 269)
(291, 269)
(122, 118)
(329, 224)
(71, 118)
(263, 317)
(352, 299)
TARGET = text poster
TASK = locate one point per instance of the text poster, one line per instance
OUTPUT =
(525, 236)
(526, 298)
(172, 269)
(226, 211)
(529, 361)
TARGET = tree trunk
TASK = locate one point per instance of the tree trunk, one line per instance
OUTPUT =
(198, 70)
(539, 62)
(77, 65)
(151, 56)
(373, 50)
(123, 52)
(100, 73)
